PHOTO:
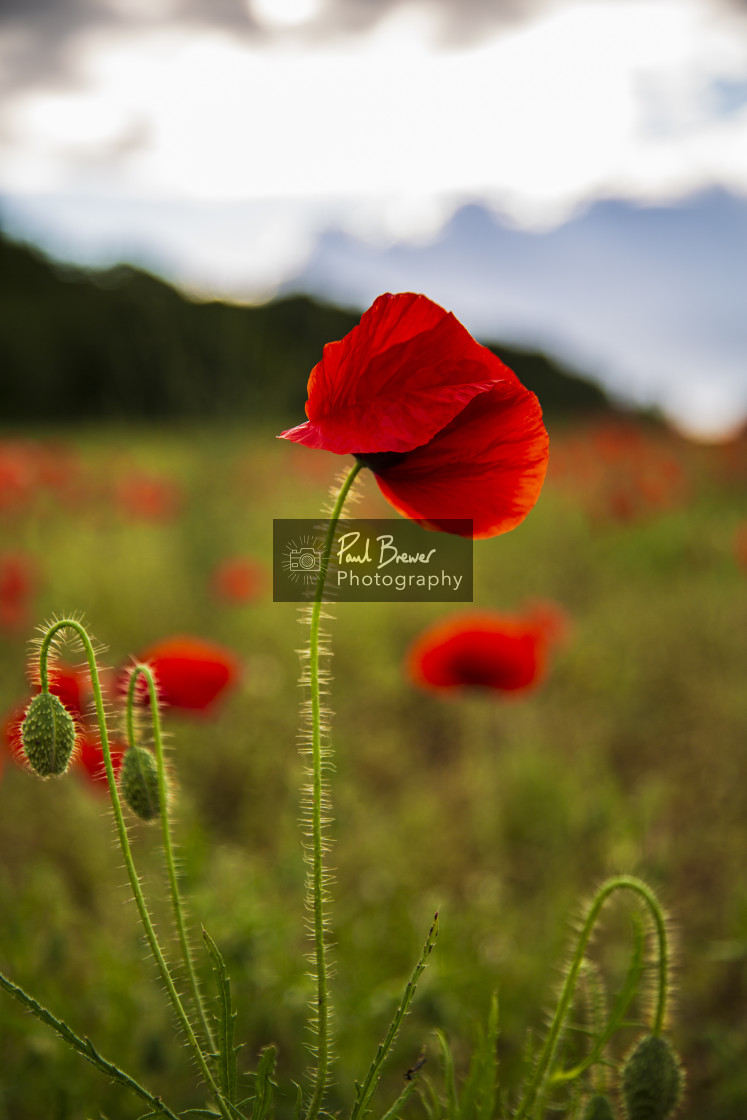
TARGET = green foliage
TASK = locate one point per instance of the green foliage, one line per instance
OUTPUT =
(476, 1098)
(263, 1085)
(227, 1051)
(84, 1047)
(365, 1091)
(499, 813)
(125, 345)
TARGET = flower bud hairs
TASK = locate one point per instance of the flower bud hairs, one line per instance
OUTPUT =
(138, 783)
(48, 735)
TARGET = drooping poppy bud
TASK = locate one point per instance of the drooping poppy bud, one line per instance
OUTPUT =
(138, 783)
(598, 1107)
(48, 735)
(651, 1080)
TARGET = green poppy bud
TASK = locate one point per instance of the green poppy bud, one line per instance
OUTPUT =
(651, 1080)
(48, 735)
(598, 1107)
(138, 783)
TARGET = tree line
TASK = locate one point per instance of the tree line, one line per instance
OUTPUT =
(121, 344)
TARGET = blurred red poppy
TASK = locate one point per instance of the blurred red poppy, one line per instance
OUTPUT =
(191, 673)
(90, 757)
(148, 497)
(238, 580)
(449, 430)
(16, 476)
(491, 651)
(740, 545)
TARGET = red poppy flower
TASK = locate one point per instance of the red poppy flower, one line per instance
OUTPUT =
(191, 673)
(505, 654)
(448, 430)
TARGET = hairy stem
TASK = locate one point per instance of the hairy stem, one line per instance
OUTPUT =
(321, 1017)
(124, 842)
(146, 673)
(619, 882)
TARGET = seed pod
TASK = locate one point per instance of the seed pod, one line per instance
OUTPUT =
(598, 1107)
(138, 783)
(48, 735)
(651, 1080)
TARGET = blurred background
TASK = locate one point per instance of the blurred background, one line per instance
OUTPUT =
(194, 198)
(560, 174)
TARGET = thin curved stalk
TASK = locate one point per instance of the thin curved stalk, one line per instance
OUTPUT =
(619, 882)
(124, 842)
(146, 672)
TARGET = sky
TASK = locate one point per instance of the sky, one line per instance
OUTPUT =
(223, 143)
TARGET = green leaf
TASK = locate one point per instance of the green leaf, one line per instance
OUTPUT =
(478, 1095)
(264, 1086)
(85, 1047)
(429, 1098)
(202, 1112)
(364, 1092)
(449, 1078)
(298, 1110)
(226, 1023)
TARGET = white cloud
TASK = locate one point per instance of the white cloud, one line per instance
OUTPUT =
(587, 99)
(283, 13)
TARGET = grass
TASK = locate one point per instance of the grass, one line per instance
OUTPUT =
(504, 815)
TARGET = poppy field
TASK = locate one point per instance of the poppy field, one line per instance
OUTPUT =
(585, 717)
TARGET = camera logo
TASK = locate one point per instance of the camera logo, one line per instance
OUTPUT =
(303, 559)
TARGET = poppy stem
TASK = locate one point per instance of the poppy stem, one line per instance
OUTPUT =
(146, 673)
(318, 876)
(124, 843)
(547, 1054)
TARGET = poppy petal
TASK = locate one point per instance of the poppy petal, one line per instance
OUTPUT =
(90, 759)
(71, 686)
(487, 465)
(191, 673)
(395, 380)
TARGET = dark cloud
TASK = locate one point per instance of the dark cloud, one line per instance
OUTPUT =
(44, 33)
(462, 19)
(47, 30)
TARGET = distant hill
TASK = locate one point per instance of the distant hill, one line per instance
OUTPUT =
(122, 344)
